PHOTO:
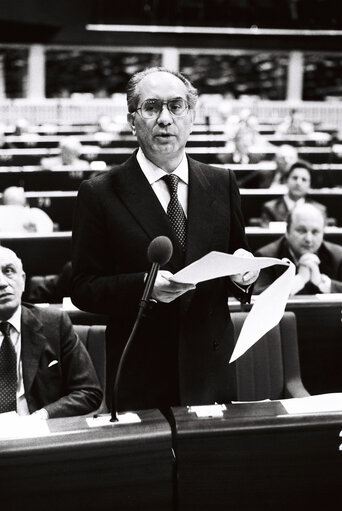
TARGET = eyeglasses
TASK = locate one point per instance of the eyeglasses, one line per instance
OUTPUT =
(151, 108)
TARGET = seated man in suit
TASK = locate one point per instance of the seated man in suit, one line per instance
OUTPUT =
(298, 183)
(44, 367)
(318, 262)
(70, 150)
(243, 148)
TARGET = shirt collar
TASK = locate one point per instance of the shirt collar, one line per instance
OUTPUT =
(15, 320)
(290, 203)
(153, 173)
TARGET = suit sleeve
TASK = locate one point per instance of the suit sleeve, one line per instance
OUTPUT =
(81, 390)
(96, 284)
(238, 238)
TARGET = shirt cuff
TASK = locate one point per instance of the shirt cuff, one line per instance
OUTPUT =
(325, 285)
(41, 414)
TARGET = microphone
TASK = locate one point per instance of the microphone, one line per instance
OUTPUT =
(159, 252)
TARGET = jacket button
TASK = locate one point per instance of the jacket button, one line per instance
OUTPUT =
(215, 345)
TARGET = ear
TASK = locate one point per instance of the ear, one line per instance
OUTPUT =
(24, 280)
(130, 120)
(192, 115)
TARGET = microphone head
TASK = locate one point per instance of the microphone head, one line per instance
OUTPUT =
(160, 250)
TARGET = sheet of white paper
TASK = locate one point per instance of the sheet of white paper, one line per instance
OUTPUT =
(13, 425)
(267, 311)
(104, 420)
(207, 410)
(219, 264)
(313, 404)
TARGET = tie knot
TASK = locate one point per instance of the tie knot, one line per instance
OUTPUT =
(5, 328)
(172, 182)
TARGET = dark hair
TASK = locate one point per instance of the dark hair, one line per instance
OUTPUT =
(131, 89)
(299, 164)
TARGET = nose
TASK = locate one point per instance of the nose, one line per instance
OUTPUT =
(165, 118)
(308, 236)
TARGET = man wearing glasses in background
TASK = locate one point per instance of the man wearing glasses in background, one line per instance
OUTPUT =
(181, 350)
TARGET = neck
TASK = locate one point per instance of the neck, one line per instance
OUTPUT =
(168, 163)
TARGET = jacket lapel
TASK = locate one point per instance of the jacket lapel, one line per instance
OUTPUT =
(32, 344)
(136, 193)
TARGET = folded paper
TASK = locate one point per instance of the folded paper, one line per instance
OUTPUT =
(269, 306)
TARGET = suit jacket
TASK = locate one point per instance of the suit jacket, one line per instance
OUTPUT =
(181, 350)
(68, 387)
(330, 255)
(276, 210)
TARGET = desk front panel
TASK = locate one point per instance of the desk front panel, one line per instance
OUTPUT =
(246, 461)
(116, 467)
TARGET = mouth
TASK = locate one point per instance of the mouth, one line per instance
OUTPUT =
(164, 135)
(5, 296)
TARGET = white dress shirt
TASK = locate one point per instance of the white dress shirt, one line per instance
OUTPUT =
(155, 175)
(15, 334)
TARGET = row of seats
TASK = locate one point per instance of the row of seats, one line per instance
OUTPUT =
(269, 370)
(33, 178)
(59, 205)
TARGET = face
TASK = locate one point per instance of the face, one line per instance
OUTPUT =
(298, 183)
(244, 141)
(306, 231)
(12, 283)
(163, 138)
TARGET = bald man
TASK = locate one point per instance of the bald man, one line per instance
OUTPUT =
(45, 369)
(318, 262)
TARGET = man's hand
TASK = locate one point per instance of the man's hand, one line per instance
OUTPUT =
(248, 277)
(165, 290)
(311, 263)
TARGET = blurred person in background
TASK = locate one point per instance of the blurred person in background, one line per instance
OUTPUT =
(318, 262)
(17, 216)
(70, 149)
(295, 124)
(298, 183)
(285, 156)
(242, 149)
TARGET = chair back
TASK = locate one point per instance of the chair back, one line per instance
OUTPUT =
(94, 339)
(270, 369)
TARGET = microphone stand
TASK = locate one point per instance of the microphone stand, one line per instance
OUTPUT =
(145, 303)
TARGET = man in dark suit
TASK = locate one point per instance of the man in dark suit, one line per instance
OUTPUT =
(318, 262)
(45, 369)
(181, 351)
(298, 183)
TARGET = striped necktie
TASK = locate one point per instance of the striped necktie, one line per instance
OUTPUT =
(8, 371)
(175, 211)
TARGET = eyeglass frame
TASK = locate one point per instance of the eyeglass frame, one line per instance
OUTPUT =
(187, 107)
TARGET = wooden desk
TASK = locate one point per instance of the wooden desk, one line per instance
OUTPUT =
(257, 457)
(116, 467)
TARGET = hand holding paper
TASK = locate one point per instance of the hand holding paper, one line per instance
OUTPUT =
(269, 306)
(247, 278)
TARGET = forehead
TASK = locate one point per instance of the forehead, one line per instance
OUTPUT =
(161, 85)
(300, 171)
(8, 257)
(310, 220)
